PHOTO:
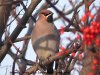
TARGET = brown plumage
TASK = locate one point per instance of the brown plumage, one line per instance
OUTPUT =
(45, 37)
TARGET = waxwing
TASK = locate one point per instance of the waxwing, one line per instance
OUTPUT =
(45, 37)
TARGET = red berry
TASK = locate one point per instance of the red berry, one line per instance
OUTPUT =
(84, 37)
(92, 37)
(90, 73)
(93, 23)
(92, 30)
(62, 48)
(88, 36)
(66, 51)
(97, 42)
(80, 56)
(95, 61)
(91, 16)
(84, 18)
(86, 30)
(96, 31)
(89, 43)
(78, 36)
(62, 30)
(94, 67)
(73, 54)
(98, 25)
(82, 29)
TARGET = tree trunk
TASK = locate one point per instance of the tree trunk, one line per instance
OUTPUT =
(5, 9)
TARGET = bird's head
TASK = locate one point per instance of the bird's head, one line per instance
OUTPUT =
(46, 14)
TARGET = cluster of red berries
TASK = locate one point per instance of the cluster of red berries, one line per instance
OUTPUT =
(91, 34)
(87, 15)
(62, 51)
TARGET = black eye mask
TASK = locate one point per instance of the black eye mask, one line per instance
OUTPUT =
(50, 18)
(45, 14)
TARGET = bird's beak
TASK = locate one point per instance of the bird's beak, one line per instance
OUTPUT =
(49, 15)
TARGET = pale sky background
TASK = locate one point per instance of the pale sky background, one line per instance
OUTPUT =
(6, 65)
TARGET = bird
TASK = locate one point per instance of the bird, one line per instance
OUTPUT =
(45, 38)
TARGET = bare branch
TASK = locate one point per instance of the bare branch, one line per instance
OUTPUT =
(47, 61)
(70, 11)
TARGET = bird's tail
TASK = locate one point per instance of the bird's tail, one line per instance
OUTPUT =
(50, 68)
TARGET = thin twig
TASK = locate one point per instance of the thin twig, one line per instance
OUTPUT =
(23, 38)
(14, 18)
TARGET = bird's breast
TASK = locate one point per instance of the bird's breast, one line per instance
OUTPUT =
(45, 40)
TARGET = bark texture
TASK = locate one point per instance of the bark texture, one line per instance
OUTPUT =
(5, 9)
